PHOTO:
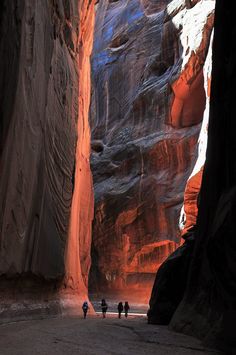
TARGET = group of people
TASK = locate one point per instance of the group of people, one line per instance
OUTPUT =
(104, 308)
(120, 308)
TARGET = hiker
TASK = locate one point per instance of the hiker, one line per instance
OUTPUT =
(126, 308)
(85, 308)
(104, 308)
(120, 309)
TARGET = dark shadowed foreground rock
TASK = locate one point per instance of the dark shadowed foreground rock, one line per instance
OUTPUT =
(147, 68)
(45, 180)
(208, 307)
(170, 283)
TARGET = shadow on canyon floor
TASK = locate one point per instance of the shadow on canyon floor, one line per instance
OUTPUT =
(95, 336)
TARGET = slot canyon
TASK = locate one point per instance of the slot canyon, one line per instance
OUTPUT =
(117, 160)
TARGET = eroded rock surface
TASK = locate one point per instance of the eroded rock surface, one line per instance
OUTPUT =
(148, 102)
(45, 144)
(189, 213)
(171, 278)
(207, 308)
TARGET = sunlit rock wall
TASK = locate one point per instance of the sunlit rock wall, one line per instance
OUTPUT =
(45, 144)
(189, 211)
(172, 276)
(208, 307)
(147, 107)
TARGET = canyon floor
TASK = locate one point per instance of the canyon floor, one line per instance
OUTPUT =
(95, 336)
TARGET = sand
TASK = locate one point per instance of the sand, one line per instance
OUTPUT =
(94, 336)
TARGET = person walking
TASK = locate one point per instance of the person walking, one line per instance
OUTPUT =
(85, 308)
(104, 307)
(120, 309)
(126, 308)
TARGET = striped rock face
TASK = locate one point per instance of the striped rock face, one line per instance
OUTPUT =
(46, 198)
(148, 101)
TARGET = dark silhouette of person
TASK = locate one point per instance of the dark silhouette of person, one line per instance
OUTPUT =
(85, 308)
(104, 307)
(126, 308)
(120, 309)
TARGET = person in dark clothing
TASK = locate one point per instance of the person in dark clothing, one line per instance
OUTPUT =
(104, 308)
(85, 308)
(120, 309)
(126, 308)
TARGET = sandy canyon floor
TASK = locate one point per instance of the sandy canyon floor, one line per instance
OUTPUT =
(94, 336)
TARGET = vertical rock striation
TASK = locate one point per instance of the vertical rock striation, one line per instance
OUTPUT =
(147, 67)
(78, 258)
(44, 98)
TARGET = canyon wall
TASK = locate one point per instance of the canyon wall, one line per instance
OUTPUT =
(171, 278)
(188, 216)
(147, 106)
(206, 304)
(208, 307)
(46, 199)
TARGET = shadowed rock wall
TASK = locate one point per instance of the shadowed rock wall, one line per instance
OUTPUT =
(45, 144)
(147, 105)
(207, 306)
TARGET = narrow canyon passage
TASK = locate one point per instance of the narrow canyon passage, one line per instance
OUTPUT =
(106, 108)
(145, 69)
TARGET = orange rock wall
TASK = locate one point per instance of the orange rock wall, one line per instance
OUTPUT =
(147, 69)
(79, 240)
(46, 197)
(189, 212)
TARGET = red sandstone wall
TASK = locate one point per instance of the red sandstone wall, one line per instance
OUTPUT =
(148, 103)
(45, 181)
(78, 258)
